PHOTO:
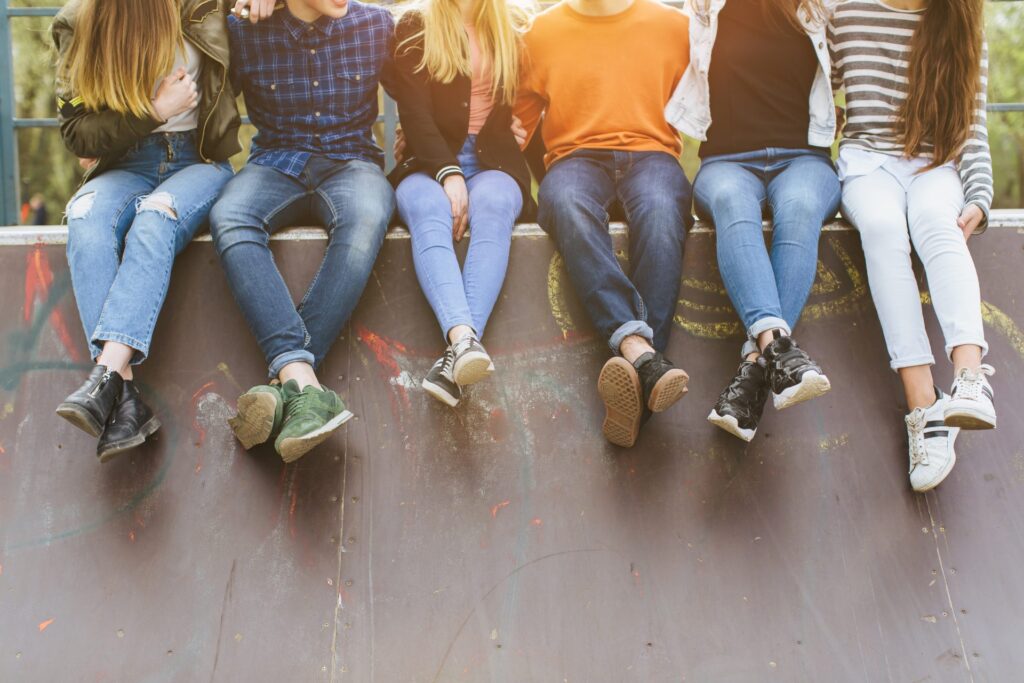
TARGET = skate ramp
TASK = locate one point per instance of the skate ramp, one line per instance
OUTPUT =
(503, 540)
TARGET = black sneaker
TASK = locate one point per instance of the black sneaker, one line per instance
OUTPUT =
(89, 406)
(739, 408)
(792, 375)
(663, 383)
(440, 381)
(471, 363)
(130, 424)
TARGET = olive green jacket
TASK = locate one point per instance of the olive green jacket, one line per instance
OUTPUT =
(106, 136)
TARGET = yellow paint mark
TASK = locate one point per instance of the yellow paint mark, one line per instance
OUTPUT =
(832, 443)
(44, 625)
(1003, 324)
(709, 330)
(704, 308)
(8, 409)
(826, 282)
(847, 302)
(704, 286)
(556, 295)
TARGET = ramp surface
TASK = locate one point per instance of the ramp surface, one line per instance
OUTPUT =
(504, 540)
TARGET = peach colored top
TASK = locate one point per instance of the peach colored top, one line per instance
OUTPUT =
(481, 98)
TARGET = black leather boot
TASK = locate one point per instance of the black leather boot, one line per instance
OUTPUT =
(131, 423)
(90, 405)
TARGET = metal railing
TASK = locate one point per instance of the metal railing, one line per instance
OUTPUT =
(9, 123)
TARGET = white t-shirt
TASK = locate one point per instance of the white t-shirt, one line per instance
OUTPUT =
(192, 60)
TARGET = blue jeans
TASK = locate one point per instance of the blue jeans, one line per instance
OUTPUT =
(124, 229)
(466, 296)
(655, 196)
(351, 199)
(801, 189)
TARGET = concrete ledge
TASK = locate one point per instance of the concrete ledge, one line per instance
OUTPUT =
(1003, 219)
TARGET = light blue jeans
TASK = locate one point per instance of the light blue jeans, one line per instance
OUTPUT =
(802, 190)
(461, 296)
(125, 228)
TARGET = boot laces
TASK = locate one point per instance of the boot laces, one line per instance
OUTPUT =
(969, 383)
(915, 432)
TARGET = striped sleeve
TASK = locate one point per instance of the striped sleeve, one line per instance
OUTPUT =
(975, 160)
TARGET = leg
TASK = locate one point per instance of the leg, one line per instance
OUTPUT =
(253, 204)
(495, 201)
(355, 203)
(425, 209)
(732, 196)
(802, 197)
(876, 205)
(99, 216)
(656, 197)
(165, 222)
(574, 198)
(935, 200)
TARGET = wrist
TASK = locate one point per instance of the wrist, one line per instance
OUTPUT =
(157, 114)
(448, 172)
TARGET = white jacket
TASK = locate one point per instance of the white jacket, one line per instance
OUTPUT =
(689, 108)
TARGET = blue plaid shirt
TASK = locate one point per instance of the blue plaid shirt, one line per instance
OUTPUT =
(312, 88)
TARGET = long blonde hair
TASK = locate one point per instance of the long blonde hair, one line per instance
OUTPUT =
(500, 25)
(119, 50)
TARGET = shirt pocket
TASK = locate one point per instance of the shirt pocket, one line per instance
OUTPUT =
(285, 91)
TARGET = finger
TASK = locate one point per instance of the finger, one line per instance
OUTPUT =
(181, 73)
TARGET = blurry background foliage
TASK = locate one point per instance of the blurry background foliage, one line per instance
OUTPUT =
(48, 169)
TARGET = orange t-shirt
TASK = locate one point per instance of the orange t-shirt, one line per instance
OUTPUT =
(603, 82)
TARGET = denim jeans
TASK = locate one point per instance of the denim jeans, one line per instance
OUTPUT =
(655, 196)
(802, 190)
(124, 229)
(466, 296)
(351, 199)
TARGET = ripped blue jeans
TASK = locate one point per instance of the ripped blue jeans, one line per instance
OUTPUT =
(125, 228)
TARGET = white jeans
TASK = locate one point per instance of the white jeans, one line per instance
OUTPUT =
(892, 209)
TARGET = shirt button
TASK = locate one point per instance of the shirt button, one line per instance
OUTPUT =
(358, 77)
(312, 52)
(465, 104)
(310, 27)
(821, 45)
(317, 115)
(273, 86)
(316, 83)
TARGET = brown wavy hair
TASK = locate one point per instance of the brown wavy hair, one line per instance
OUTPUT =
(120, 49)
(944, 75)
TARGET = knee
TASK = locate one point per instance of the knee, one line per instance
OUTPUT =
(87, 232)
(498, 205)
(163, 204)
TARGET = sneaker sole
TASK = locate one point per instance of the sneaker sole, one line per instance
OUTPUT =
(966, 417)
(671, 387)
(81, 418)
(118, 447)
(939, 479)
(472, 368)
(294, 448)
(254, 422)
(812, 385)
(619, 388)
(440, 394)
(731, 425)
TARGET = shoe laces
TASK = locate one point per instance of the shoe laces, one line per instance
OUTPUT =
(915, 432)
(969, 382)
(463, 344)
(447, 362)
(298, 403)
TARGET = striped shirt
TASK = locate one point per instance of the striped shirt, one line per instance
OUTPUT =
(870, 44)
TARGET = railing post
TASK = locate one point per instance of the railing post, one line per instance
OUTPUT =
(8, 142)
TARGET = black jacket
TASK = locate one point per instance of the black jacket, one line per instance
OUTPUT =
(435, 119)
(106, 135)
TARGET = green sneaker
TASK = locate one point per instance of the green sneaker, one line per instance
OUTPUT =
(260, 413)
(310, 416)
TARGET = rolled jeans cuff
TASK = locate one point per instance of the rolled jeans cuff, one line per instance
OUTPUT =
(899, 363)
(755, 331)
(633, 327)
(952, 344)
(301, 356)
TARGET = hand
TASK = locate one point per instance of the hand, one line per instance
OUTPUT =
(253, 10)
(458, 195)
(399, 149)
(970, 219)
(177, 94)
(87, 164)
(518, 131)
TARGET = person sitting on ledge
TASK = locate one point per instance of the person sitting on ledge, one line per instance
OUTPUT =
(145, 103)
(310, 74)
(600, 72)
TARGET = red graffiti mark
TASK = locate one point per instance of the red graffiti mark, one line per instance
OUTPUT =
(43, 626)
(131, 535)
(38, 279)
(537, 521)
(138, 520)
(385, 351)
(502, 504)
(291, 514)
(2, 450)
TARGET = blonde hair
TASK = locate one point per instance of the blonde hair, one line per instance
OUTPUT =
(500, 25)
(120, 49)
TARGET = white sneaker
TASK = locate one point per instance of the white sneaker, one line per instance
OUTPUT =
(931, 445)
(971, 404)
